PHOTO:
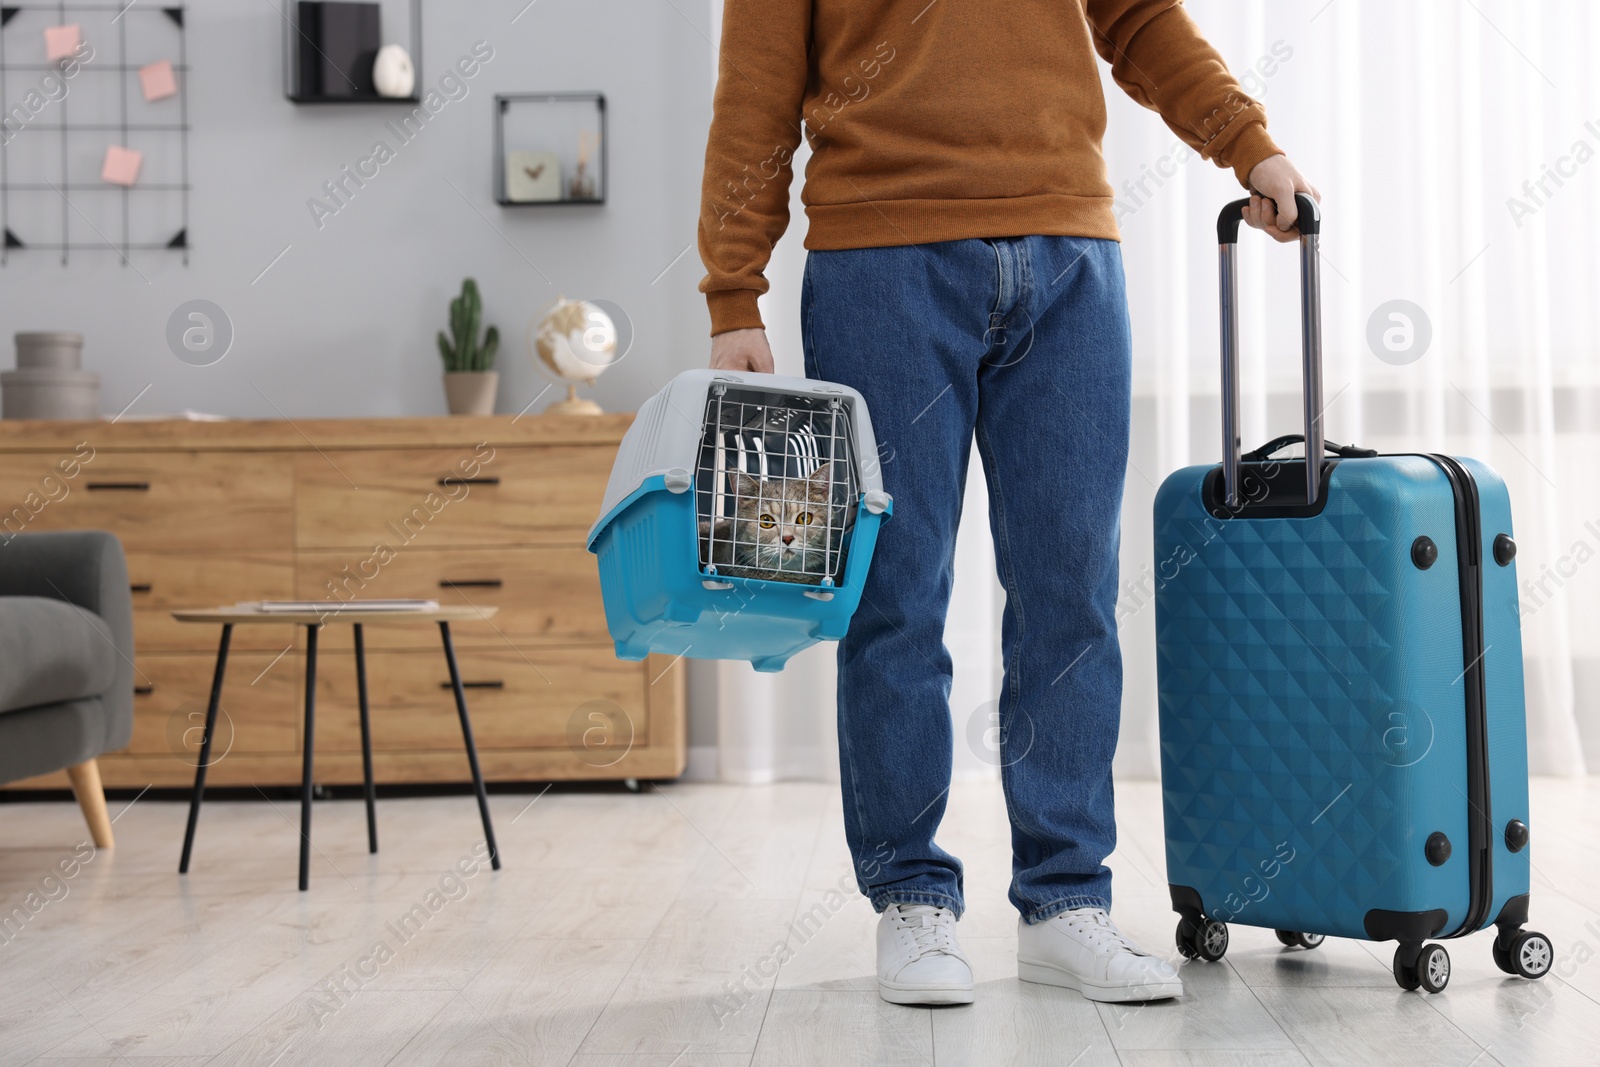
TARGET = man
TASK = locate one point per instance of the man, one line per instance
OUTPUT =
(965, 276)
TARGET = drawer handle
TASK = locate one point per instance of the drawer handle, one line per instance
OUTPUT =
(139, 587)
(473, 583)
(450, 479)
(143, 690)
(132, 487)
(494, 684)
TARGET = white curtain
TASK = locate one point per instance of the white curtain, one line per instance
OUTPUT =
(1457, 148)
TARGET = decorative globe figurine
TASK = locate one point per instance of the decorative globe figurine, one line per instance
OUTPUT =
(575, 341)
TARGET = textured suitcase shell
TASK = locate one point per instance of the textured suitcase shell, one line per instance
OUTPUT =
(1312, 711)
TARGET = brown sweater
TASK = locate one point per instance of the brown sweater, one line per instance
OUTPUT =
(935, 121)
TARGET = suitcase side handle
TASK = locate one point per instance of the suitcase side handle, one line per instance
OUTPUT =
(1278, 444)
(1310, 227)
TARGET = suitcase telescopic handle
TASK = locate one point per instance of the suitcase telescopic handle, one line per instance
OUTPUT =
(1310, 226)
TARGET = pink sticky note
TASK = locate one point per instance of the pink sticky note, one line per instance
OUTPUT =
(157, 80)
(121, 166)
(61, 41)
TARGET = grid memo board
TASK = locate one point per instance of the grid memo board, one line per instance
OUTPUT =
(56, 128)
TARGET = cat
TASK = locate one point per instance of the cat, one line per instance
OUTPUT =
(779, 530)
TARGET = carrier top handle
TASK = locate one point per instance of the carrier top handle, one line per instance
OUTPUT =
(1310, 226)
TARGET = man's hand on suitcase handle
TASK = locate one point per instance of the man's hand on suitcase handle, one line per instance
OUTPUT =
(1277, 179)
(742, 350)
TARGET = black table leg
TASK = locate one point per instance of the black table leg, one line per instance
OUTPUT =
(309, 743)
(366, 741)
(205, 746)
(472, 747)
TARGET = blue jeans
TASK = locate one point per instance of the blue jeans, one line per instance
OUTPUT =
(1024, 343)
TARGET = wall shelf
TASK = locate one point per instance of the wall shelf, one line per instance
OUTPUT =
(294, 99)
(412, 42)
(551, 131)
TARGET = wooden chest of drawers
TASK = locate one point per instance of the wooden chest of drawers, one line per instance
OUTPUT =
(487, 511)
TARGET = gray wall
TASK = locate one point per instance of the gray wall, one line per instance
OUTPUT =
(343, 324)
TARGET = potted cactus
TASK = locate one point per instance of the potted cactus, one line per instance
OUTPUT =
(469, 380)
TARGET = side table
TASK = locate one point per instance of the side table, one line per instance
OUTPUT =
(313, 621)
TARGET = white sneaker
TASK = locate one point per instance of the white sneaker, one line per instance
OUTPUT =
(919, 961)
(1082, 949)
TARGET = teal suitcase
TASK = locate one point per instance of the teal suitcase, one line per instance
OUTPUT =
(1343, 745)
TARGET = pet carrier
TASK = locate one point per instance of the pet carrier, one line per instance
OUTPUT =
(739, 519)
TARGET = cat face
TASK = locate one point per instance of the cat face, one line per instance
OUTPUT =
(783, 525)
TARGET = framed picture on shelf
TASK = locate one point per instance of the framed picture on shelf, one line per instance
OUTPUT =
(533, 177)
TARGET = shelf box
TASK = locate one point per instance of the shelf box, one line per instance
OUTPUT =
(329, 48)
(550, 149)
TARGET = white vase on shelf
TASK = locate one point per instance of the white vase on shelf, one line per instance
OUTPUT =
(393, 74)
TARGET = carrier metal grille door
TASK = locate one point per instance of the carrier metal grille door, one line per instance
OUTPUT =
(776, 486)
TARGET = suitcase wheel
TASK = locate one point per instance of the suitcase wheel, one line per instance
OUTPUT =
(1430, 969)
(1208, 942)
(1528, 956)
(1295, 938)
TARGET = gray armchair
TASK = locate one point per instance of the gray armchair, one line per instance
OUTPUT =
(66, 660)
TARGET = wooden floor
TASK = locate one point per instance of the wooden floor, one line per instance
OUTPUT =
(653, 930)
